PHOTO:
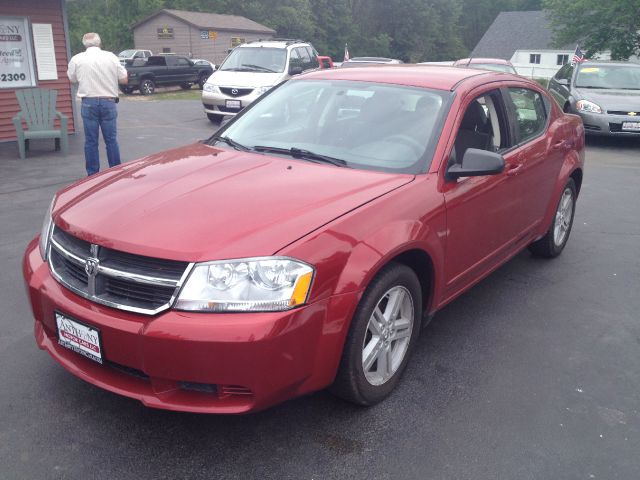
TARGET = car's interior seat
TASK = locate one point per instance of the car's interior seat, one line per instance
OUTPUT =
(475, 132)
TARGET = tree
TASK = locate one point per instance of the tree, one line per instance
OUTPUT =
(598, 25)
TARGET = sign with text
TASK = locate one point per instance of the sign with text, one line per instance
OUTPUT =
(165, 33)
(208, 34)
(16, 59)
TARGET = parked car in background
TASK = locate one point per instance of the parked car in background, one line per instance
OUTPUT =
(165, 70)
(200, 61)
(304, 243)
(494, 64)
(132, 54)
(250, 70)
(606, 95)
(325, 62)
(364, 61)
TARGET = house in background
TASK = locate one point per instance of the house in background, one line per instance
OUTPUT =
(198, 34)
(525, 39)
(34, 52)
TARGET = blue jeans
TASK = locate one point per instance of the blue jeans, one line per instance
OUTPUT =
(99, 114)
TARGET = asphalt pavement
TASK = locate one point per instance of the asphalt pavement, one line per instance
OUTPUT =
(533, 374)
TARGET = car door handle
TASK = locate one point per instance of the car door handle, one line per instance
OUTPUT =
(513, 169)
(559, 144)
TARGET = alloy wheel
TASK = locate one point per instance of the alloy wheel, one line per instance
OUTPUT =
(386, 340)
(564, 215)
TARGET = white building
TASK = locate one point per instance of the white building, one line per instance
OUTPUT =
(525, 39)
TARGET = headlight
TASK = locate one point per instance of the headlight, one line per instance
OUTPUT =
(209, 87)
(587, 106)
(264, 284)
(45, 233)
(262, 90)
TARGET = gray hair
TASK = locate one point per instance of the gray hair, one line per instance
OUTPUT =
(91, 40)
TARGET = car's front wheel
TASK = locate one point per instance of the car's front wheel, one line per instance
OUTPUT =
(147, 87)
(202, 79)
(185, 86)
(554, 241)
(382, 334)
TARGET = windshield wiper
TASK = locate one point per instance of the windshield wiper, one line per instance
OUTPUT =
(304, 154)
(230, 142)
(258, 67)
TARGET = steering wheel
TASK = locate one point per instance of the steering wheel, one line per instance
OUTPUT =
(408, 141)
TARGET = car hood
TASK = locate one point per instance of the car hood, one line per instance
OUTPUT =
(199, 203)
(224, 78)
(617, 100)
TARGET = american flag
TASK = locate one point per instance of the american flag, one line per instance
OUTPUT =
(346, 53)
(578, 56)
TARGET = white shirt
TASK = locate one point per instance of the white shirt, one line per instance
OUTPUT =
(97, 72)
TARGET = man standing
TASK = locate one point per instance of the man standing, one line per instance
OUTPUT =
(97, 74)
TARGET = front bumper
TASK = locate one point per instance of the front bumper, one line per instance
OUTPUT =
(196, 362)
(606, 124)
(215, 103)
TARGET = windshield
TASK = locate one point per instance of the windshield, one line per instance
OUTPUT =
(621, 77)
(362, 125)
(126, 53)
(496, 67)
(255, 59)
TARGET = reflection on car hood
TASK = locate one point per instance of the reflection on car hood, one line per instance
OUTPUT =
(245, 79)
(200, 203)
(619, 100)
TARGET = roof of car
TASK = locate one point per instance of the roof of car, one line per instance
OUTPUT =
(426, 76)
(273, 43)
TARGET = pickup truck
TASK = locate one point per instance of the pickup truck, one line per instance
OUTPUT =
(160, 70)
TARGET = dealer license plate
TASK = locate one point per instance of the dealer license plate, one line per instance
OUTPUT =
(79, 337)
(233, 104)
(631, 126)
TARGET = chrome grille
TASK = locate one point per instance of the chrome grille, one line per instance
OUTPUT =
(118, 279)
(236, 92)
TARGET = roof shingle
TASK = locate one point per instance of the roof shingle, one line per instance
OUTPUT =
(215, 21)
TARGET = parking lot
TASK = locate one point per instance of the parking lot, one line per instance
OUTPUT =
(533, 374)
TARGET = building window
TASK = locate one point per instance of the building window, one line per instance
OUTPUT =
(16, 59)
(235, 41)
(166, 50)
(534, 58)
(562, 59)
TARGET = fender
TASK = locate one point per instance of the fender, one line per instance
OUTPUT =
(573, 162)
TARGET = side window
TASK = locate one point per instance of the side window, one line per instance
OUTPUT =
(530, 113)
(314, 58)
(295, 60)
(483, 126)
(305, 59)
(182, 62)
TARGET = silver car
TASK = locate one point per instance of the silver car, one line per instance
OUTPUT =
(252, 69)
(605, 94)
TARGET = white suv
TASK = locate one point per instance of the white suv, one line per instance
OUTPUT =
(252, 69)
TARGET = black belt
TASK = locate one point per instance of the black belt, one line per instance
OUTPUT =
(112, 99)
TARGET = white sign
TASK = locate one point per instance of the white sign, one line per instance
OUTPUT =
(45, 51)
(16, 62)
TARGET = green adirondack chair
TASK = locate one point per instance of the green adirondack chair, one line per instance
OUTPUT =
(38, 110)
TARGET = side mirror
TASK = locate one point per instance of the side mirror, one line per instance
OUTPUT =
(562, 81)
(295, 70)
(476, 163)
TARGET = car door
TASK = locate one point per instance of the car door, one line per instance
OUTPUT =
(186, 71)
(480, 210)
(538, 149)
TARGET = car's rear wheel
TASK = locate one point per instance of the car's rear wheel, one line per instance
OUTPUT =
(147, 87)
(213, 118)
(382, 334)
(185, 86)
(554, 241)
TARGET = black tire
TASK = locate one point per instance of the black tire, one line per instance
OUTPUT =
(185, 86)
(147, 87)
(352, 383)
(213, 118)
(127, 90)
(202, 79)
(551, 245)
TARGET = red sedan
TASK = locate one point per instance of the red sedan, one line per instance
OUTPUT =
(302, 245)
